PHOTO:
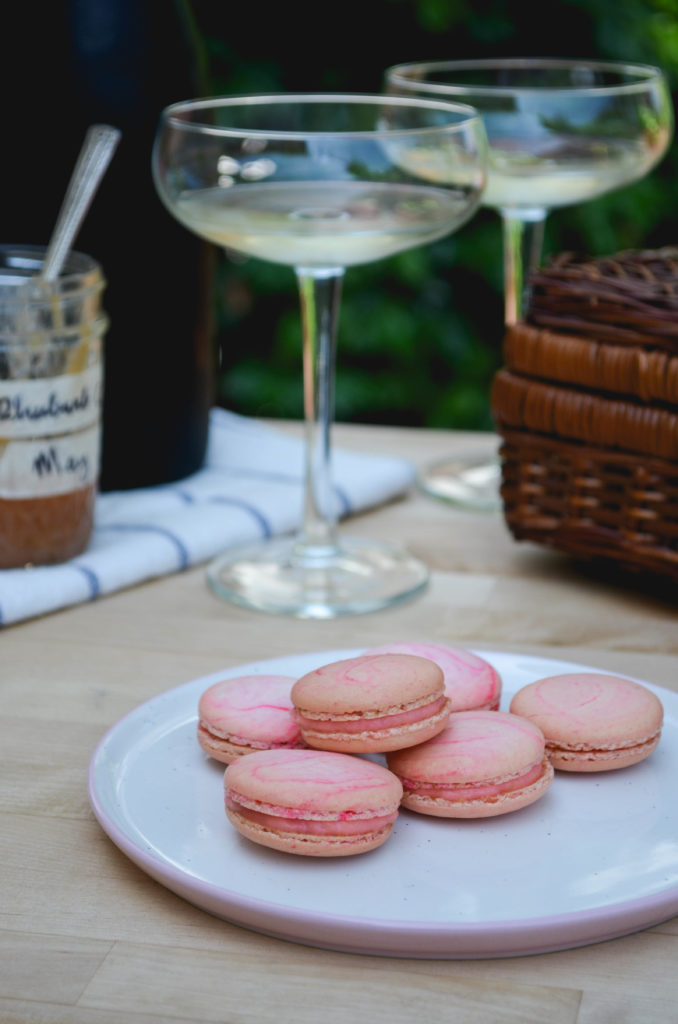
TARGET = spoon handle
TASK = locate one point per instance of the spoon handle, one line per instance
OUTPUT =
(94, 158)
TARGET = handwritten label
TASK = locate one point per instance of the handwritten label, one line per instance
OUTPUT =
(48, 406)
(48, 466)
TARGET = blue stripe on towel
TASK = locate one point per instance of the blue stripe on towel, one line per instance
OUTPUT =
(265, 526)
(344, 499)
(91, 577)
(261, 519)
(182, 550)
(185, 496)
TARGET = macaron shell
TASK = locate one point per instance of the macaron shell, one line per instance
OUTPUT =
(219, 749)
(377, 684)
(318, 783)
(307, 845)
(475, 746)
(470, 681)
(592, 721)
(600, 760)
(488, 750)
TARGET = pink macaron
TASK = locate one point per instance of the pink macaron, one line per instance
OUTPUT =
(482, 764)
(312, 802)
(375, 702)
(471, 683)
(592, 721)
(247, 713)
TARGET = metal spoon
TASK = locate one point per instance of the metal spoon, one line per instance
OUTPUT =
(95, 156)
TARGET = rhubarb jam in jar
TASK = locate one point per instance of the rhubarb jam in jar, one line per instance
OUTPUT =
(51, 368)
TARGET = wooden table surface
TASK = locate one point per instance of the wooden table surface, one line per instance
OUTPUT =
(87, 937)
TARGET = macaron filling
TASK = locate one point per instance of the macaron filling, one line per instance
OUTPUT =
(553, 747)
(372, 722)
(288, 819)
(292, 741)
(484, 789)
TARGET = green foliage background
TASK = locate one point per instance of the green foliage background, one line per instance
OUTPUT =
(420, 334)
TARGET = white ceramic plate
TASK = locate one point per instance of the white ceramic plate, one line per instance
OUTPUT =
(595, 858)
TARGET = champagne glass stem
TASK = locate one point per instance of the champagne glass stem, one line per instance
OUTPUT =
(320, 294)
(523, 234)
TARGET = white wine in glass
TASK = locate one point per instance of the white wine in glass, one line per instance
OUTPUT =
(560, 132)
(319, 183)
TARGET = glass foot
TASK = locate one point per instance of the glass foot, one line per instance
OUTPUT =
(471, 482)
(277, 576)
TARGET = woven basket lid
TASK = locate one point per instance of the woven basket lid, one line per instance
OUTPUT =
(628, 298)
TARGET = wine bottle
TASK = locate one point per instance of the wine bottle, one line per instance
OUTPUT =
(119, 62)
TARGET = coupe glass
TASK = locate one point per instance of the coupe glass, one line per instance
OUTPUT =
(319, 183)
(560, 132)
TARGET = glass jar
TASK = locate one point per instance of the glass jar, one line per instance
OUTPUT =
(51, 348)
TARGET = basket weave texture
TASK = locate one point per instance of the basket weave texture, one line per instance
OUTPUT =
(628, 299)
(587, 408)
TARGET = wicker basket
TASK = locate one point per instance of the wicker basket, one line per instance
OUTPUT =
(586, 409)
(591, 502)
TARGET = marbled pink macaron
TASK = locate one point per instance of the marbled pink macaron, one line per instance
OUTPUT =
(471, 683)
(592, 721)
(482, 764)
(247, 713)
(371, 703)
(312, 802)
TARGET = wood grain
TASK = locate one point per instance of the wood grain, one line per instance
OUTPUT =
(88, 938)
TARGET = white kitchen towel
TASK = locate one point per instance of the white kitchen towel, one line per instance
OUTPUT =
(250, 488)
